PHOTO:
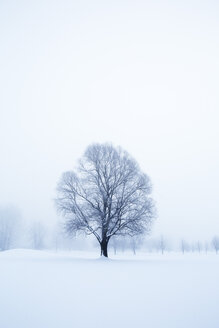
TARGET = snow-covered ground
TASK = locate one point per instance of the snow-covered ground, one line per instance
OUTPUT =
(40, 289)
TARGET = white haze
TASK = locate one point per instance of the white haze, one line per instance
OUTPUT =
(139, 74)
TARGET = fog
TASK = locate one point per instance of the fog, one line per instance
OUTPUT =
(139, 74)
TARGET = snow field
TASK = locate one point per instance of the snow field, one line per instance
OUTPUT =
(40, 289)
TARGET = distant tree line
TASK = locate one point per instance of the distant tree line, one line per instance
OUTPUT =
(14, 233)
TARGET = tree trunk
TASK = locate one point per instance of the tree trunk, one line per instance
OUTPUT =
(104, 245)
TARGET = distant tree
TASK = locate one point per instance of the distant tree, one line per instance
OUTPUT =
(37, 235)
(114, 244)
(108, 195)
(162, 244)
(215, 243)
(206, 247)
(58, 236)
(135, 243)
(184, 246)
(198, 246)
(192, 247)
(9, 223)
(122, 243)
(151, 245)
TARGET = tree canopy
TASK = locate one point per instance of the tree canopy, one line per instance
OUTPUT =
(106, 195)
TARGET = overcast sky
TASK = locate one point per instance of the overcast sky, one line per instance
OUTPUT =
(140, 74)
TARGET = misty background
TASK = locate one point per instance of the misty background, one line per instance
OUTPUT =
(139, 74)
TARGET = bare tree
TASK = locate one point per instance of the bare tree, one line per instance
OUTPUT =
(199, 246)
(162, 244)
(9, 222)
(135, 243)
(206, 247)
(215, 243)
(108, 195)
(37, 235)
(114, 244)
(184, 246)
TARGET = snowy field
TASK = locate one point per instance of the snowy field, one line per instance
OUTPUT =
(42, 289)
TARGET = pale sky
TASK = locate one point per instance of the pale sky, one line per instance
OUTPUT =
(140, 74)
